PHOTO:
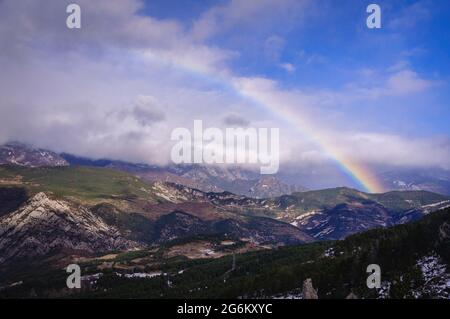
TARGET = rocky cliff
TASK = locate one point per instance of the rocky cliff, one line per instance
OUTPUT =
(43, 225)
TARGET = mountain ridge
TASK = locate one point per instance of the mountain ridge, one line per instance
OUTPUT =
(206, 178)
(414, 260)
(323, 215)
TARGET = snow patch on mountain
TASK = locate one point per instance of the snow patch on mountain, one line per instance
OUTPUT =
(26, 155)
(436, 277)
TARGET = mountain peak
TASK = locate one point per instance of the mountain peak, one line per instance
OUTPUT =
(26, 155)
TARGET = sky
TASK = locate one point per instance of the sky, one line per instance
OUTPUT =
(342, 95)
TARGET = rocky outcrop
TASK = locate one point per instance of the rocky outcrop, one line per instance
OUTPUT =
(308, 290)
(351, 296)
(44, 225)
(444, 232)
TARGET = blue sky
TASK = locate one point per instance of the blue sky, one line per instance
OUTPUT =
(335, 30)
(138, 69)
(328, 45)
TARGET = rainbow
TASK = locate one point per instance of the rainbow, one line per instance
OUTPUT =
(359, 173)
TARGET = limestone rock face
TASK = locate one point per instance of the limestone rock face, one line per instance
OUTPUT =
(43, 225)
(308, 290)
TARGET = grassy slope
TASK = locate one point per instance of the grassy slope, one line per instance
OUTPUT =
(404, 200)
(82, 183)
(89, 183)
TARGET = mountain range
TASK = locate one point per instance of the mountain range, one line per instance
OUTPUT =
(414, 259)
(206, 178)
(112, 217)
(432, 179)
(233, 179)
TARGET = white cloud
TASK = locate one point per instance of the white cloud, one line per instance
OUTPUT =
(288, 67)
(397, 80)
(117, 87)
(308, 113)
(405, 82)
(253, 16)
(393, 149)
(411, 15)
(311, 58)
